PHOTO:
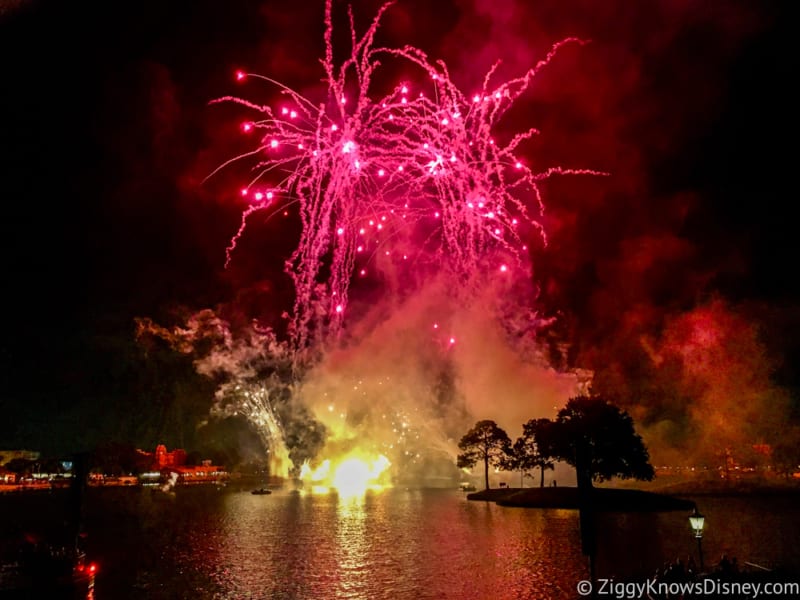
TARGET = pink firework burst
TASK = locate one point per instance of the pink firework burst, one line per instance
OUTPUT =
(415, 176)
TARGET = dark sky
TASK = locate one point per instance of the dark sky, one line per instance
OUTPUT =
(106, 135)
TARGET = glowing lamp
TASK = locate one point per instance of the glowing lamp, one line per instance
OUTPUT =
(697, 521)
(247, 127)
(240, 75)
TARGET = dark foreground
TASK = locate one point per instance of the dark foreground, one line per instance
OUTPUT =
(603, 499)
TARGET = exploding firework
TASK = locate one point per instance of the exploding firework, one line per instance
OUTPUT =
(414, 177)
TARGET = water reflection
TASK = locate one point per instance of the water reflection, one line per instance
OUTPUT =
(352, 547)
(397, 544)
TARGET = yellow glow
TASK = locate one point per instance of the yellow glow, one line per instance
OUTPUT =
(350, 475)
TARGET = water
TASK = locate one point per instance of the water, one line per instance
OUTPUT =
(223, 544)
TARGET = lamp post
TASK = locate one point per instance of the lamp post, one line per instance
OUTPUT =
(697, 521)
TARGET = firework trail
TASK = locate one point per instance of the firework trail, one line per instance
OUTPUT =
(256, 404)
(415, 176)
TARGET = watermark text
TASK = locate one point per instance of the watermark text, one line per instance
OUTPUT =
(611, 588)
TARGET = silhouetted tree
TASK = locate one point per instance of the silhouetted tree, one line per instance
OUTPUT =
(20, 466)
(599, 440)
(485, 442)
(533, 449)
(116, 458)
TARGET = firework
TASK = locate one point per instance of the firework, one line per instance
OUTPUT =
(414, 176)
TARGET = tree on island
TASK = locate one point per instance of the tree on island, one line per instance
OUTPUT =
(533, 449)
(485, 442)
(599, 440)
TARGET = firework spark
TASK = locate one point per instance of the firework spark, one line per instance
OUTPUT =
(415, 177)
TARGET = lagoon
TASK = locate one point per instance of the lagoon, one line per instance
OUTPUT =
(226, 543)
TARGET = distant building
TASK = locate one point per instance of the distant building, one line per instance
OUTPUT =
(7, 477)
(204, 473)
(161, 459)
(763, 449)
(163, 462)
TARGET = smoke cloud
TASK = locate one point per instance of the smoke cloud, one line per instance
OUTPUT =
(627, 296)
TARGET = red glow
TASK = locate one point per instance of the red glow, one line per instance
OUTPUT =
(240, 75)
(437, 158)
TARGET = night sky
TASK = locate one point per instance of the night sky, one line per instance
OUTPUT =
(106, 136)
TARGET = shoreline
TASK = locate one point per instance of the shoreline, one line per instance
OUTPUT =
(603, 499)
